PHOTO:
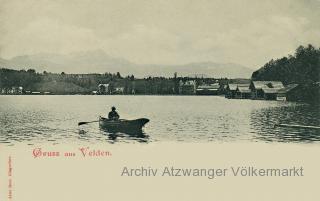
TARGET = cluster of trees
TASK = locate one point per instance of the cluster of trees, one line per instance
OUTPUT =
(10, 78)
(302, 68)
(57, 83)
(63, 83)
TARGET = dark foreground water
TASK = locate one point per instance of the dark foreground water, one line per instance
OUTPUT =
(54, 119)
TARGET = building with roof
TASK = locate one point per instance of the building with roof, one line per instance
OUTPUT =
(118, 90)
(270, 93)
(243, 92)
(231, 90)
(188, 87)
(210, 89)
(290, 93)
(103, 89)
(265, 89)
(12, 90)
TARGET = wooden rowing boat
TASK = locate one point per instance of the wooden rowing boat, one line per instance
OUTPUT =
(122, 125)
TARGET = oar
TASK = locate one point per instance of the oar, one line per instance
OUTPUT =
(86, 122)
(297, 126)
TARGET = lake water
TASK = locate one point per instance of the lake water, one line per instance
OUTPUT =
(54, 119)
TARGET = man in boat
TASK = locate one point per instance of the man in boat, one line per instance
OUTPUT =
(113, 115)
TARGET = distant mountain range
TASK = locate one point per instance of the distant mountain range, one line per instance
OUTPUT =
(99, 62)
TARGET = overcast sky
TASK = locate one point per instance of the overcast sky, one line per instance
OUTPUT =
(247, 32)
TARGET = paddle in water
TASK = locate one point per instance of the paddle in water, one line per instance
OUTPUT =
(86, 122)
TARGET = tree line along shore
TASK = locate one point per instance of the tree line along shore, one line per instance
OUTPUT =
(295, 77)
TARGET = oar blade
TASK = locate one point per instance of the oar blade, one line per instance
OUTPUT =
(86, 122)
(81, 123)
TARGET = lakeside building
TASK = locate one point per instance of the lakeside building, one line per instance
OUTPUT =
(231, 90)
(118, 90)
(187, 87)
(290, 93)
(103, 89)
(269, 93)
(265, 89)
(236, 90)
(243, 91)
(12, 90)
(211, 89)
(261, 90)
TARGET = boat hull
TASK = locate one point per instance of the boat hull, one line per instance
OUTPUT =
(122, 125)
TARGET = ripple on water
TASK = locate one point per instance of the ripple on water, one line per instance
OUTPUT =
(39, 119)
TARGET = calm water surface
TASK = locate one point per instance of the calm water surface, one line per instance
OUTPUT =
(54, 119)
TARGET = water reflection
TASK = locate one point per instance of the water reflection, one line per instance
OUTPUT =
(264, 121)
(87, 134)
(136, 135)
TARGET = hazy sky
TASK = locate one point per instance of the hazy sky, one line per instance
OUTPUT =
(247, 32)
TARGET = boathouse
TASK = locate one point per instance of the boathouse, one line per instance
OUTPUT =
(270, 93)
(231, 90)
(237, 90)
(289, 93)
(243, 91)
(265, 89)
